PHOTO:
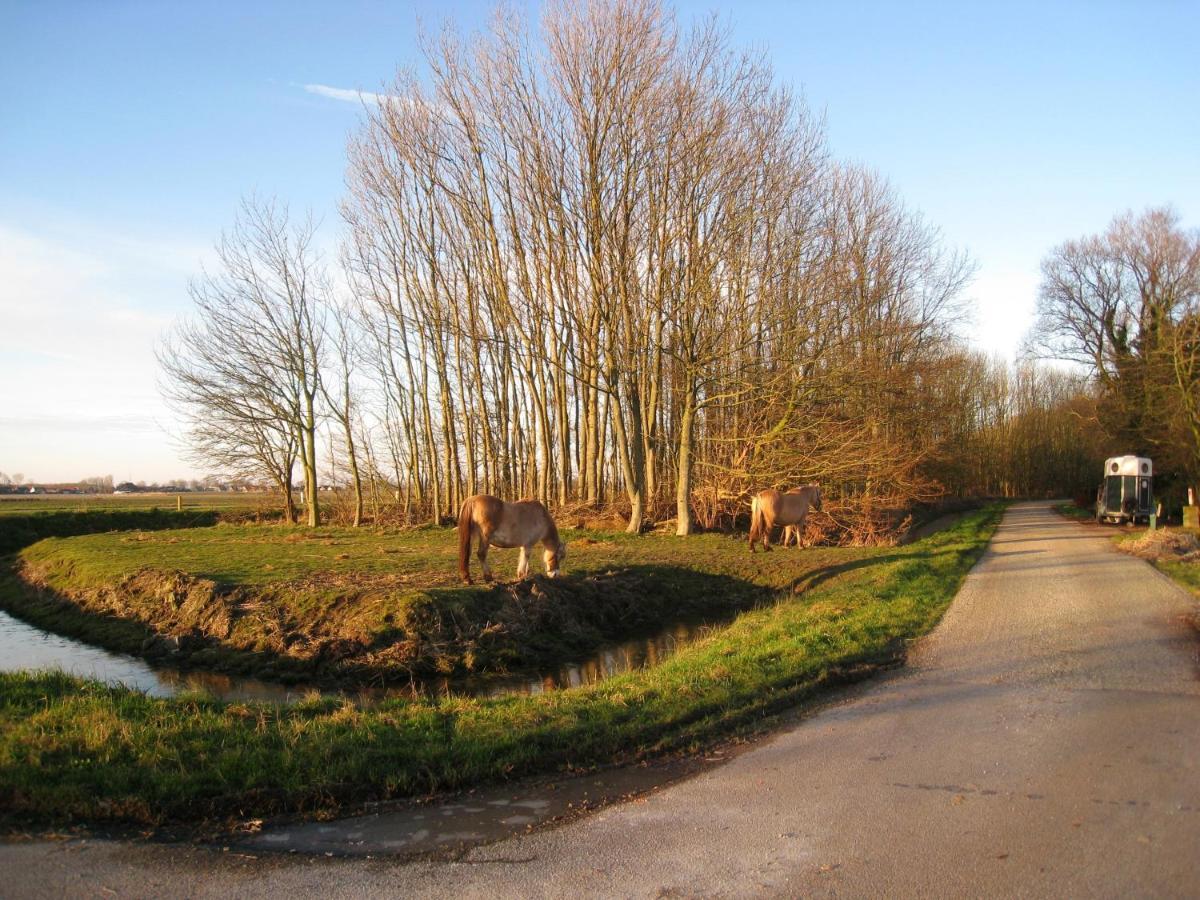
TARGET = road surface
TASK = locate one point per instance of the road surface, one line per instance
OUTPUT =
(1043, 741)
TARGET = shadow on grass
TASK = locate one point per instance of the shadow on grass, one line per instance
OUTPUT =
(19, 531)
(814, 579)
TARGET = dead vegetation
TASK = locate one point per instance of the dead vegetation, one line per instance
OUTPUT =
(1165, 545)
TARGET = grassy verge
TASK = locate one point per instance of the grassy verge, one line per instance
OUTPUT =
(77, 751)
(1078, 513)
(1186, 574)
(1170, 550)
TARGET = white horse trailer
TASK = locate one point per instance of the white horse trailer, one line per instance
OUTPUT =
(1126, 494)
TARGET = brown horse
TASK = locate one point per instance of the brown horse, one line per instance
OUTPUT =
(770, 508)
(521, 524)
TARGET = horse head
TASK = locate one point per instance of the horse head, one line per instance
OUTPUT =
(816, 497)
(553, 558)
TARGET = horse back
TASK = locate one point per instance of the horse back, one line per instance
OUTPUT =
(512, 524)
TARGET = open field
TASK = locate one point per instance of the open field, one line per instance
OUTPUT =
(226, 501)
(72, 750)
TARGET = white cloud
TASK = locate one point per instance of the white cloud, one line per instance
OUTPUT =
(346, 95)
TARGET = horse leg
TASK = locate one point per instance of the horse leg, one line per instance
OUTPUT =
(483, 563)
(523, 563)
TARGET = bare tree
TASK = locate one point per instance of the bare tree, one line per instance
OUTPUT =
(340, 400)
(245, 370)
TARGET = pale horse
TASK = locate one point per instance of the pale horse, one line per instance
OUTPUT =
(497, 522)
(770, 508)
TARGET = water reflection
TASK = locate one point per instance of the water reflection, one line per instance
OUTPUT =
(24, 646)
(607, 662)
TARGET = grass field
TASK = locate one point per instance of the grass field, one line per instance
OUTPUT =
(74, 751)
(227, 501)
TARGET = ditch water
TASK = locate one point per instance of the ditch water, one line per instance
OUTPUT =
(27, 647)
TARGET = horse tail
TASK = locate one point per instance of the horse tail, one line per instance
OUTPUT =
(756, 515)
(464, 540)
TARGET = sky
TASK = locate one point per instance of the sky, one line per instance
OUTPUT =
(129, 132)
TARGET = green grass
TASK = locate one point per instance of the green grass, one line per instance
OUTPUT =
(75, 751)
(1186, 574)
(228, 501)
(1071, 511)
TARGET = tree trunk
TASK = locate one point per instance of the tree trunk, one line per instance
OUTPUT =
(683, 487)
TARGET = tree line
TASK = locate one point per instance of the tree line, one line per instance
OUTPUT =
(609, 262)
(1124, 306)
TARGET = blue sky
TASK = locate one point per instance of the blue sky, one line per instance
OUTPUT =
(129, 131)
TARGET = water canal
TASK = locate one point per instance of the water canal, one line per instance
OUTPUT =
(27, 647)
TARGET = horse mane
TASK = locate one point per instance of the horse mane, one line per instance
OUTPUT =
(551, 528)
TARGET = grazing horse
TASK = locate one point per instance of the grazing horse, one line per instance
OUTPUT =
(521, 524)
(770, 508)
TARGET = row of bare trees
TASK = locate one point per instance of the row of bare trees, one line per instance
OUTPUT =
(609, 263)
(620, 260)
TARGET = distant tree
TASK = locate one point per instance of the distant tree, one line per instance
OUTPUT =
(1124, 305)
(98, 484)
(246, 369)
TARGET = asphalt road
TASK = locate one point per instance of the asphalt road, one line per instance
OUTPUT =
(1044, 741)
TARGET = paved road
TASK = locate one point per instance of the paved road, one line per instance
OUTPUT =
(1045, 741)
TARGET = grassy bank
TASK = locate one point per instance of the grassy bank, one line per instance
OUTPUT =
(345, 606)
(72, 751)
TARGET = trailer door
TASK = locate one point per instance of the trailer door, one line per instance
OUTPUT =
(1112, 494)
